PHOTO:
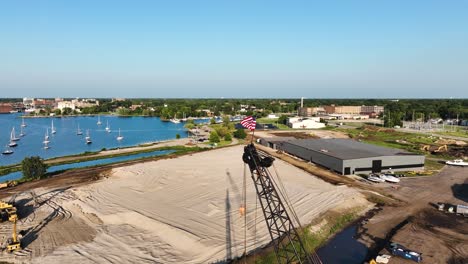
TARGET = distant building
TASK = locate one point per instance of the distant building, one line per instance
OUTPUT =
(369, 110)
(372, 110)
(27, 102)
(305, 123)
(43, 103)
(311, 111)
(347, 156)
(349, 116)
(65, 104)
(5, 108)
(85, 103)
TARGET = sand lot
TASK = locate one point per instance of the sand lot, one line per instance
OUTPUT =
(181, 210)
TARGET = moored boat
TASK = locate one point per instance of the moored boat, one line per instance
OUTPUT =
(457, 162)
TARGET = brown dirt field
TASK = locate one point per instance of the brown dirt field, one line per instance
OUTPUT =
(416, 224)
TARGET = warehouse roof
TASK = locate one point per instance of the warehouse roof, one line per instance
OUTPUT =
(346, 148)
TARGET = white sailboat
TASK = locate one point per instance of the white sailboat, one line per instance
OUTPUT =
(22, 132)
(46, 144)
(119, 138)
(99, 121)
(184, 119)
(108, 127)
(13, 135)
(46, 137)
(88, 138)
(7, 151)
(12, 139)
(52, 129)
(22, 123)
(175, 120)
(78, 131)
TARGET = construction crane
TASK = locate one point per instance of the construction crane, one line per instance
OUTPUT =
(287, 243)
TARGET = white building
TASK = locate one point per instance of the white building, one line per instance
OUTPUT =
(305, 123)
(65, 104)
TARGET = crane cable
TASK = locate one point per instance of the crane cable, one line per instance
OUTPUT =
(243, 210)
(283, 193)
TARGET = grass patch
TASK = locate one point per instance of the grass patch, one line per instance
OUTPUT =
(457, 133)
(274, 122)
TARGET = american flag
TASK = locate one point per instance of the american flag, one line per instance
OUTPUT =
(249, 122)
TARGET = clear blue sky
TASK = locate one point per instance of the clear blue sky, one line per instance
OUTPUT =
(239, 48)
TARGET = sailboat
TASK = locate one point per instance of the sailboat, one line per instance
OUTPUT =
(46, 144)
(108, 127)
(12, 139)
(52, 129)
(22, 132)
(175, 120)
(88, 138)
(78, 131)
(46, 137)
(13, 135)
(119, 138)
(23, 124)
(7, 151)
(184, 119)
(99, 121)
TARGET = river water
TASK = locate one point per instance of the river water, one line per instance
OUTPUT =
(135, 130)
(19, 174)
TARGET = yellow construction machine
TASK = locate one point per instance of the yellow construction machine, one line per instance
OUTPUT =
(14, 243)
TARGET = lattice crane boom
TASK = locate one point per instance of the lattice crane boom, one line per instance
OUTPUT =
(285, 238)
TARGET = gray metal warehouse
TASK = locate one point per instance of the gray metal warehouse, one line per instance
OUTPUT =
(347, 156)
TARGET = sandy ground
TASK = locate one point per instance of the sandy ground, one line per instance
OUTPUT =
(182, 210)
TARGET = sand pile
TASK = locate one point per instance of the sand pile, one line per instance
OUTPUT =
(183, 210)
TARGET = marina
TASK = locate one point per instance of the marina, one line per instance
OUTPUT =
(68, 138)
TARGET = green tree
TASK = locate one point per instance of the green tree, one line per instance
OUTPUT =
(228, 137)
(222, 131)
(226, 121)
(213, 121)
(283, 119)
(240, 134)
(67, 111)
(57, 112)
(177, 136)
(33, 168)
(214, 137)
(189, 126)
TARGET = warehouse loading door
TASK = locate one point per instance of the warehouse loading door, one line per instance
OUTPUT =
(347, 170)
(376, 165)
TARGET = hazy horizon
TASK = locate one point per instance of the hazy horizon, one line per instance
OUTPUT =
(242, 49)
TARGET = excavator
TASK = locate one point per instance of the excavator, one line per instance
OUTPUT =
(10, 212)
(288, 245)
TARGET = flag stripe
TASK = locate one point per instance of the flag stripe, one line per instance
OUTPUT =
(249, 122)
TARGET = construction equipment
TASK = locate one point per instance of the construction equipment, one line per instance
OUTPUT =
(14, 243)
(8, 210)
(287, 243)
